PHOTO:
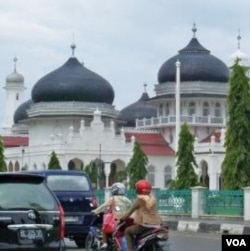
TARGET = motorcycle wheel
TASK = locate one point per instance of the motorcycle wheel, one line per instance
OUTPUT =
(89, 243)
(151, 247)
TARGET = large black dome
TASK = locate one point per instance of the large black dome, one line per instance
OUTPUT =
(21, 112)
(138, 110)
(73, 82)
(197, 64)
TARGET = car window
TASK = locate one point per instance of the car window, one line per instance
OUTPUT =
(68, 183)
(26, 195)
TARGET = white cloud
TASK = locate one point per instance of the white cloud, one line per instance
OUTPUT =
(125, 41)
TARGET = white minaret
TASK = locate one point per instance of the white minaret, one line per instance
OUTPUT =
(177, 108)
(14, 91)
(240, 56)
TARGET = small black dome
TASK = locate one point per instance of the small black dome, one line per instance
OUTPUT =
(197, 64)
(21, 112)
(138, 110)
(73, 82)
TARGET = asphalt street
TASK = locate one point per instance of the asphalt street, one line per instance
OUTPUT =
(182, 241)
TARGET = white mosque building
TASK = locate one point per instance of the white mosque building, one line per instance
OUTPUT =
(71, 112)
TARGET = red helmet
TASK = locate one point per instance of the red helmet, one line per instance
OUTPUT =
(143, 187)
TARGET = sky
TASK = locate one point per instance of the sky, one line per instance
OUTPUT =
(124, 41)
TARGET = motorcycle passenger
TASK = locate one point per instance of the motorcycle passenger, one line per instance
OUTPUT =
(121, 202)
(145, 212)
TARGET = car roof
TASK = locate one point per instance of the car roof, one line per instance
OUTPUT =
(57, 171)
(19, 176)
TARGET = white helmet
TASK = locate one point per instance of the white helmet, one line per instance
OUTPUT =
(118, 189)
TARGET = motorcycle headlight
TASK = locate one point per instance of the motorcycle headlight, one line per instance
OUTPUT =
(162, 236)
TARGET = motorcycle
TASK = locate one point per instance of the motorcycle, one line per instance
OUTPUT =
(93, 240)
(155, 239)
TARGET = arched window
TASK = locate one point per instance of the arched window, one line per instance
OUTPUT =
(167, 109)
(151, 174)
(217, 111)
(167, 175)
(44, 166)
(205, 111)
(161, 110)
(17, 166)
(35, 166)
(191, 108)
(11, 167)
(17, 96)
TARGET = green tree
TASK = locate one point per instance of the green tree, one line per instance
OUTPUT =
(91, 170)
(236, 164)
(121, 176)
(3, 166)
(186, 176)
(137, 165)
(54, 162)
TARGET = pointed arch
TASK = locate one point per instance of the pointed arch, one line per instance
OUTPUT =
(10, 167)
(205, 110)
(44, 166)
(17, 166)
(34, 166)
(204, 177)
(167, 175)
(191, 108)
(151, 174)
(75, 164)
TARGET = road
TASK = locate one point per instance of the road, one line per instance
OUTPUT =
(180, 241)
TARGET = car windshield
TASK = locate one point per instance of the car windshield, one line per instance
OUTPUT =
(26, 195)
(68, 183)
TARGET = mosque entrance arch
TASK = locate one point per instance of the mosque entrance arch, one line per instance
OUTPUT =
(75, 164)
(204, 178)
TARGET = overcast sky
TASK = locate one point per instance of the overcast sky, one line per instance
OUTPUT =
(124, 41)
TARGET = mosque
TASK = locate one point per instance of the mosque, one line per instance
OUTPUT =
(71, 112)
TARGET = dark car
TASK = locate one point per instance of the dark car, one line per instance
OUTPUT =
(31, 217)
(76, 195)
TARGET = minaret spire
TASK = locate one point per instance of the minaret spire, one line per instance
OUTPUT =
(239, 38)
(73, 46)
(15, 62)
(194, 29)
(145, 87)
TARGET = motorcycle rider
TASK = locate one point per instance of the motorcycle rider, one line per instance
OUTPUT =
(145, 212)
(121, 202)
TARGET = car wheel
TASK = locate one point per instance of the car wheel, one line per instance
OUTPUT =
(80, 242)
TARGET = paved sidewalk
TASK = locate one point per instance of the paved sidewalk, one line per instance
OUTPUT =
(221, 226)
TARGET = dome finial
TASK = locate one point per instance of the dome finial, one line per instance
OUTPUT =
(239, 38)
(145, 87)
(15, 60)
(73, 46)
(194, 29)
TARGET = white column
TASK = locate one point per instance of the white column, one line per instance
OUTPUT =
(213, 172)
(246, 203)
(197, 201)
(107, 170)
(177, 108)
(177, 104)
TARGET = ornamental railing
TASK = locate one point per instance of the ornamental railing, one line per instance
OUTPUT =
(170, 121)
(173, 202)
(223, 202)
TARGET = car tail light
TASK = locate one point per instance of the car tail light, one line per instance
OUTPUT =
(94, 202)
(62, 222)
